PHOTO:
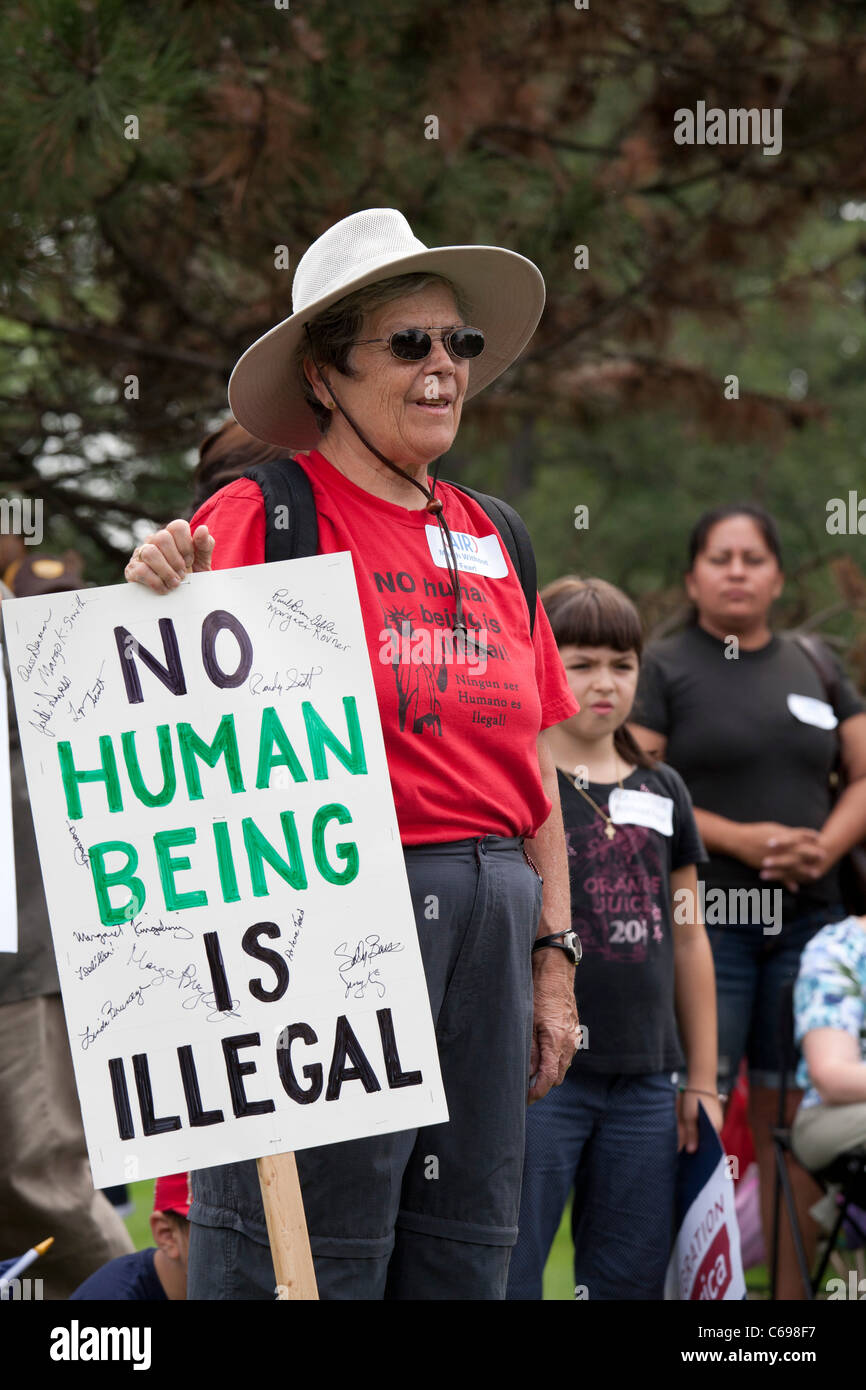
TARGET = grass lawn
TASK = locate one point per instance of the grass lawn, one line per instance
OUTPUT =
(138, 1222)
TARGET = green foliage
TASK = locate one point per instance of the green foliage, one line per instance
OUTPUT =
(133, 272)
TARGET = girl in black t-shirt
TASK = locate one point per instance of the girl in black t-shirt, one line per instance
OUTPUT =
(645, 982)
(754, 728)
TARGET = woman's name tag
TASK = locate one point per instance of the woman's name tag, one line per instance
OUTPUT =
(811, 711)
(641, 808)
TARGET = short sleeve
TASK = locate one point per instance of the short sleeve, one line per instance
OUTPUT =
(235, 517)
(651, 708)
(687, 847)
(848, 702)
(557, 701)
(828, 992)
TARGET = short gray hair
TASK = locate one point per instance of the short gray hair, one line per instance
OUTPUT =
(335, 331)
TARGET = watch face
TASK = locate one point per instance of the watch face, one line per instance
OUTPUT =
(572, 940)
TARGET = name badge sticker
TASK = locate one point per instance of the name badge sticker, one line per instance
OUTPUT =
(641, 808)
(811, 711)
(475, 554)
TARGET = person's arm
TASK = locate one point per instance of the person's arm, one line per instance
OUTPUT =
(835, 1067)
(781, 852)
(815, 854)
(846, 824)
(649, 740)
(695, 1001)
(555, 1023)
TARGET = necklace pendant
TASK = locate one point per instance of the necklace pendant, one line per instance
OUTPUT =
(610, 831)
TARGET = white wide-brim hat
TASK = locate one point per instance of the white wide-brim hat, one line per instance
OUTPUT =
(503, 292)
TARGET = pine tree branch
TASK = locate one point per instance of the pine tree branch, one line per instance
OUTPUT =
(124, 343)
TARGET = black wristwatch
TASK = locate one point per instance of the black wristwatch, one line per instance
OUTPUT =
(567, 941)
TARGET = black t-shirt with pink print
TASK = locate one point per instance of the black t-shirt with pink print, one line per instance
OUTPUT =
(621, 910)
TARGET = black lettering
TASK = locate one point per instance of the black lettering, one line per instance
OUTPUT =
(219, 979)
(253, 948)
(149, 1122)
(237, 1071)
(394, 1072)
(120, 1091)
(214, 623)
(312, 1071)
(198, 1116)
(346, 1045)
(171, 674)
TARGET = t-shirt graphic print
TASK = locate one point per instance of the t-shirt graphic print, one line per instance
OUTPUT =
(619, 913)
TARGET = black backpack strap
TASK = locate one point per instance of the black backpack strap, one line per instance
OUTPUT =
(292, 528)
(820, 658)
(515, 538)
(291, 524)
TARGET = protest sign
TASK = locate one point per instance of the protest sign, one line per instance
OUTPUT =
(706, 1263)
(232, 921)
(8, 898)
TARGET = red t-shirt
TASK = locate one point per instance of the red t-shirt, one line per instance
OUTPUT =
(460, 740)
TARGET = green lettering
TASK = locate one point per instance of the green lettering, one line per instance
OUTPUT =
(225, 862)
(107, 774)
(103, 880)
(346, 849)
(163, 842)
(169, 778)
(319, 737)
(225, 744)
(272, 732)
(259, 849)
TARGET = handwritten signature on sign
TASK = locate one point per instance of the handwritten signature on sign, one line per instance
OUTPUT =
(290, 679)
(185, 979)
(81, 856)
(292, 942)
(46, 652)
(356, 972)
(287, 611)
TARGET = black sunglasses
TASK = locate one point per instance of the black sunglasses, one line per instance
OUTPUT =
(414, 344)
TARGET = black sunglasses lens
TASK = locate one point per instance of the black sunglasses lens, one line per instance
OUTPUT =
(411, 344)
(467, 342)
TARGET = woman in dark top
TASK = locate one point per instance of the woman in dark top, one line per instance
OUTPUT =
(744, 715)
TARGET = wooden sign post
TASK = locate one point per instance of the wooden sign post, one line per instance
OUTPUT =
(287, 1227)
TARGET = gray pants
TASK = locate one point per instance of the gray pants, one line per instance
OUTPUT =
(45, 1183)
(428, 1213)
(822, 1132)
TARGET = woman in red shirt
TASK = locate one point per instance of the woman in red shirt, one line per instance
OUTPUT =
(386, 341)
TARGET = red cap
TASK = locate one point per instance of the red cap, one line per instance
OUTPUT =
(173, 1193)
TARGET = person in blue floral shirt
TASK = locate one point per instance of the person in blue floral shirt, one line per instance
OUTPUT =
(830, 1025)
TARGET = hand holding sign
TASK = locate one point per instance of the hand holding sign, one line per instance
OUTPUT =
(165, 558)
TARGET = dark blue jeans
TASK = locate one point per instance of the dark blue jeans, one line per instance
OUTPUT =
(614, 1139)
(428, 1213)
(751, 969)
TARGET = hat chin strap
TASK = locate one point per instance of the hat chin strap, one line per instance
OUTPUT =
(434, 505)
